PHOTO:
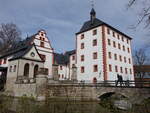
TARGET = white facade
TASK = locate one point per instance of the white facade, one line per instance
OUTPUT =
(102, 52)
(72, 63)
(44, 48)
(16, 70)
(63, 72)
(104, 66)
(87, 51)
(125, 62)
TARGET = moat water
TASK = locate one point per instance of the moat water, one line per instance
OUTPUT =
(23, 105)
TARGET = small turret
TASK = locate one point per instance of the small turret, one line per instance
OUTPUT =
(93, 15)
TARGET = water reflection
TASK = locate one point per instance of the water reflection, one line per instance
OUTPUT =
(30, 106)
(71, 107)
(23, 105)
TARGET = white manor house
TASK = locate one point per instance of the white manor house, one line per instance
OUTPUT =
(101, 53)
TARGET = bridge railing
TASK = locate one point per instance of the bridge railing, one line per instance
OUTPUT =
(106, 83)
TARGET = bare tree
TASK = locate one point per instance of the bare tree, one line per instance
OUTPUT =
(9, 35)
(140, 59)
(144, 11)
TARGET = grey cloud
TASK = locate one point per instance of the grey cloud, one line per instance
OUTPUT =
(63, 18)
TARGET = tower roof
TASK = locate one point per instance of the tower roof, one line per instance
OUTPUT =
(92, 12)
(95, 22)
(90, 25)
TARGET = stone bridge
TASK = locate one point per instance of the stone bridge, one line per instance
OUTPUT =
(93, 93)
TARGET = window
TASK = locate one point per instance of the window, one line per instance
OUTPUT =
(14, 68)
(129, 61)
(125, 59)
(73, 57)
(95, 68)
(61, 67)
(95, 42)
(120, 57)
(43, 57)
(109, 53)
(43, 39)
(40, 38)
(110, 68)
(62, 75)
(113, 34)
(10, 69)
(123, 48)
(130, 71)
(116, 68)
(126, 70)
(128, 50)
(95, 55)
(122, 38)
(115, 55)
(108, 30)
(42, 44)
(82, 45)
(5, 60)
(114, 43)
(109, 43)
(82, 69)
(119, 47)
(118, 37)
(94, 32)
(82, 57)
(82, 36)
(121, 70)
(42, 34)
(1, 62)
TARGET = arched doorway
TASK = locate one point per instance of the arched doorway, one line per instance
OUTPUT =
(3, 77)
(36, 67)
(26, 70)
(94, 80)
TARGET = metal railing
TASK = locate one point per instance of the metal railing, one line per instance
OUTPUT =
(128, 84)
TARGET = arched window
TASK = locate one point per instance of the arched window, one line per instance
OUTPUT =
(26, 70)
(35, 70)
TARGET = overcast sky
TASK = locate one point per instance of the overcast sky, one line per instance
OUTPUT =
(63, 18)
